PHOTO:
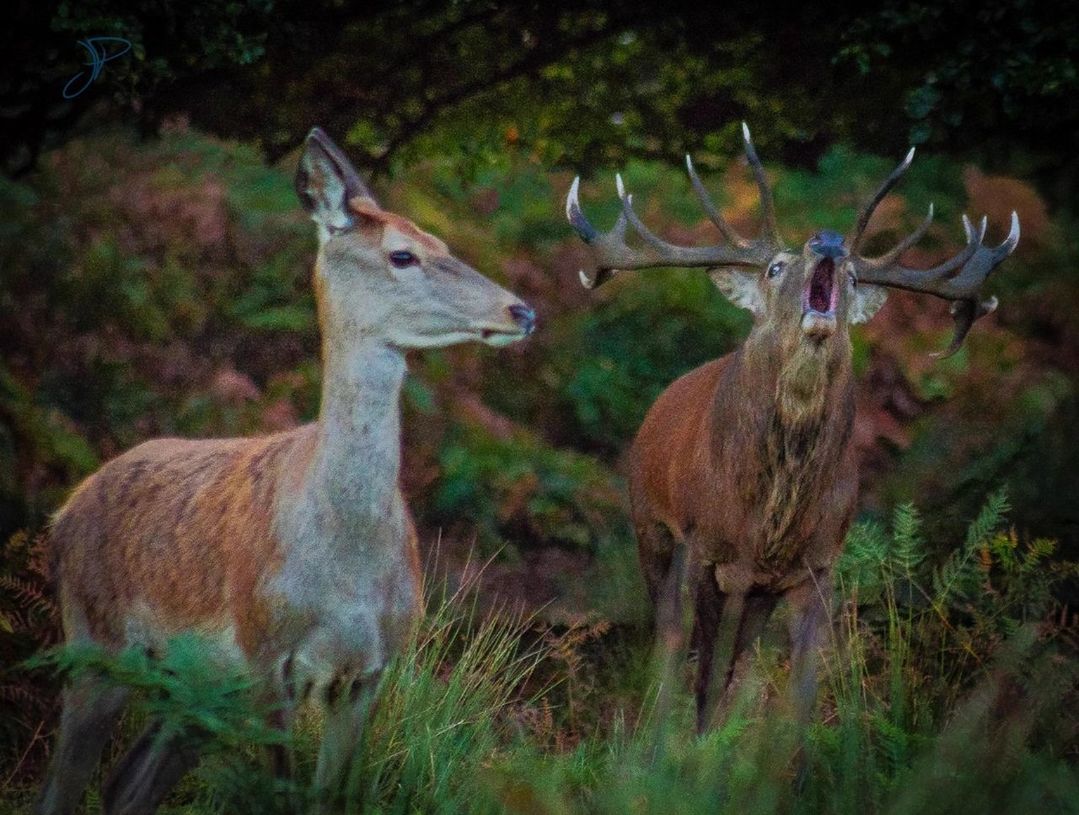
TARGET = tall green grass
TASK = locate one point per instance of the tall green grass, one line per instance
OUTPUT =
(948, 686)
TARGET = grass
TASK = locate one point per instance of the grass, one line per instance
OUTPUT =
(946, 688)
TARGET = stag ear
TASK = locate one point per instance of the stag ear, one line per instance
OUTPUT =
(866, 301)
(741, 287)
(326, 181)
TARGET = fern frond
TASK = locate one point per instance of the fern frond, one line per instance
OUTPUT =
(958, 577)
(908, 547)
(864, 556)
(989, 520)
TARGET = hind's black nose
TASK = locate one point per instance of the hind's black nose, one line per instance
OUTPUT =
(524, 316)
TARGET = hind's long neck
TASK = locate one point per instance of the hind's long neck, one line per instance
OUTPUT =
(357, 458)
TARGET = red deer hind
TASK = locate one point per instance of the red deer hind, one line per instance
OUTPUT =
(295, 553)
(745, 464)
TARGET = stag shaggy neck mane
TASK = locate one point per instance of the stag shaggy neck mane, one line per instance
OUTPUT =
(792, 375)
(795, 413)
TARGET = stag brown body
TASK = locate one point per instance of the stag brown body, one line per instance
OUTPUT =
(293, 555)
(757, 492)
(760, 488)
(742, 478)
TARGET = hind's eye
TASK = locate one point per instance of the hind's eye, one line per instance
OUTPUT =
(402, 259)
(775, 269)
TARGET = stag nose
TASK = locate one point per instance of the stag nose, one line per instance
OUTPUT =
(524, 316)
(829, 244)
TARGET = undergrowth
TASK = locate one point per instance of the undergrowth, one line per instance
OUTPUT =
(948, 687)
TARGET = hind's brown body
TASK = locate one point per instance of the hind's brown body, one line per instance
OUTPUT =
(179, 534)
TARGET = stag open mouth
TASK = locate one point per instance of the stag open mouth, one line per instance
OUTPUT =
(819, 301)
(820, 292)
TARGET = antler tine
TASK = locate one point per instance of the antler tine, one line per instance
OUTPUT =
(659, 252)
(965, 312)
(575, 216)
(897, 252)
(590, 235)
(867, 211)
(710, 208)
(1012, 241)
(650, 237)
(768, 215)
(959, 279)
(611, 252)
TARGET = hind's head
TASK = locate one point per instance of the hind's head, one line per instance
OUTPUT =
(380, 276)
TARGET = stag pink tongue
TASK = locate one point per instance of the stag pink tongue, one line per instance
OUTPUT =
(821, 286)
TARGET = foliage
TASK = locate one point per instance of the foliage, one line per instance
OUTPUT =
(966, 604)
(192, 689)
(519, 489)
(450, 702)
(470, 720)
(990, 62)
(29, 621)
(639, 340)
(583, 83)
(166, 49)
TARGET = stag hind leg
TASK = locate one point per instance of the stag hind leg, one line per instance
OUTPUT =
(656, 545)
(665, 562)
(91, 708)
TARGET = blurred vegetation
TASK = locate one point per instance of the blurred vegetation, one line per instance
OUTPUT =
(947, 690)
(161, 287)
(580, 83)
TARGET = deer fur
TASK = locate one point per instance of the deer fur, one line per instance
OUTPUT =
(742, 478)
(293, 554)
(747, 461)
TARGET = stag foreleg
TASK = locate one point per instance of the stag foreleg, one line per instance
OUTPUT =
(810, 605)
(744, 616)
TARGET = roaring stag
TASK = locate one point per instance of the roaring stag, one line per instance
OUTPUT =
(293, 554)
(742, 478)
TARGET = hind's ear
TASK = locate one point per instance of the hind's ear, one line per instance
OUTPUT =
(326, 182)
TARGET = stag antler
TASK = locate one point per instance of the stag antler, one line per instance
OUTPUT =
(611, 253)
(958, 279)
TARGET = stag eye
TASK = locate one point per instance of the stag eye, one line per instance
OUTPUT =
(775, 269)
(402, 259)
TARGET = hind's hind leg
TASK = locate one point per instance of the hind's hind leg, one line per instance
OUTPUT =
(151, 768)
(91, 708)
